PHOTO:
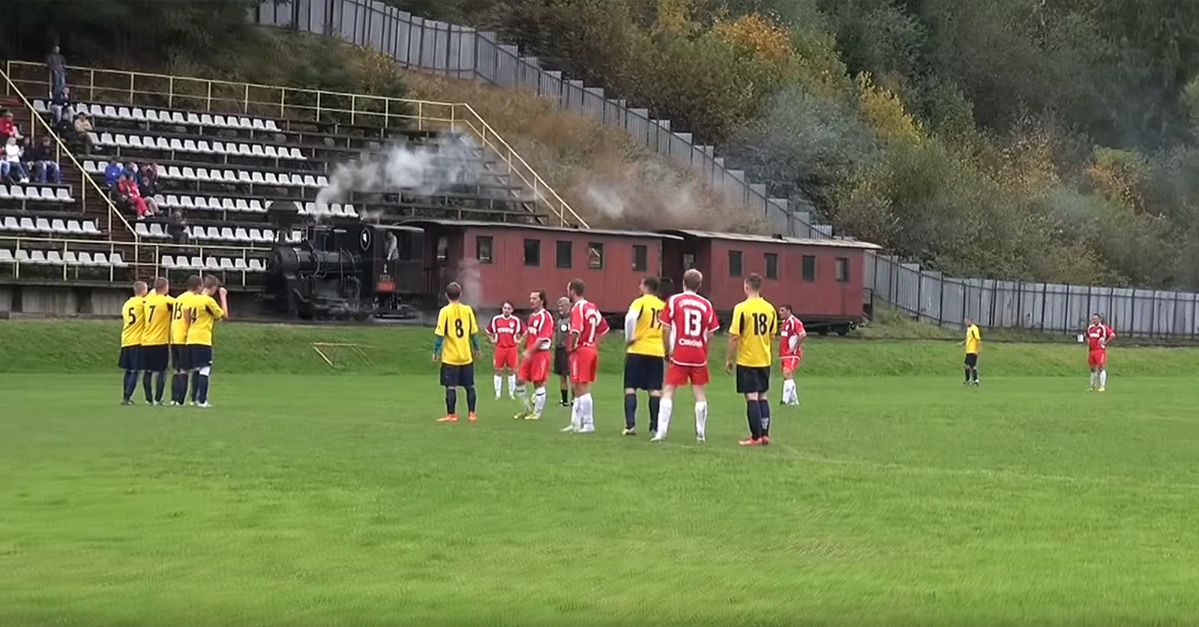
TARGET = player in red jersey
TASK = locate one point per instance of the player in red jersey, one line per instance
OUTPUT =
(504, 330)
(587, 326)
(688, 322)
(535, 366)
(1098, 336)
(791, 337)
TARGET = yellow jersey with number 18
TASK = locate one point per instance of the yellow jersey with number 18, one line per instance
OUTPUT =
(158, 320)
(647, 329)
(133, 313)
(756, 322)
(456, 324)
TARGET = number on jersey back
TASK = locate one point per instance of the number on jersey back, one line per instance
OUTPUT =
(588, 323)
(691, 319)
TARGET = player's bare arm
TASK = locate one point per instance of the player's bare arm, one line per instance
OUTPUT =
(731, 352)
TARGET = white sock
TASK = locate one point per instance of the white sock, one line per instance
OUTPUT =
(499, 384)
(701, 418)
(788, 390)
(664, 409)
(511, 385)
(538, 400)
(576, 413)
(587, 412)
(1094, 378)
(1103, 378)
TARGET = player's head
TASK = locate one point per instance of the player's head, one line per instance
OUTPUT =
(537, 300)
(139, 288)
(753, 284)
(649, 285)
(576, 289)
(195, 283)
(1096, 319)
(211, 285)
(507, 308)
(162, 285)
(785, 311)
(563, 305)
(969, 321)
(453, 292)
(692, 279)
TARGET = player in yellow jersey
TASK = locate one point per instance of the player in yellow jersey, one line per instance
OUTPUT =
(973, 341)
(645, 355)
(133, 316)
(456, 346)
(755, 322)
(156, 339)
(179, 325)
(203, 312)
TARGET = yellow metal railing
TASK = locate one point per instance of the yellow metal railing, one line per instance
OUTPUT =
(86, 180)
(299, 106)
(17, 243)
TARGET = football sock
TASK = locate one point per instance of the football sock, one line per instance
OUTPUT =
(967, 374)
(665, 406)
(539, 400)
(179, 388)
(147, 385)
(160, 387)
(789, 391)
(1103, 378)
(451, 401)
(203, 396)
(753, 413)
(974, 374)
(655, 405)
(630, 410)
(130, 384)
(586, 410)
(195, 384)
(764, 412)
(701, 418)
(576, 413)
(565, 398)
(511, 384)
(498, 380)
(523, 394)
(471, 399)
(1094, 378)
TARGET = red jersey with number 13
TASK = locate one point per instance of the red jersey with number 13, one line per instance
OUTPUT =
(691, 318)
(540, 327)
(1096, 333)
(791, 328)
(504, 329)
(586, 321)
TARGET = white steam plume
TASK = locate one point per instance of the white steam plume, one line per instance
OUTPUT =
(471, 281)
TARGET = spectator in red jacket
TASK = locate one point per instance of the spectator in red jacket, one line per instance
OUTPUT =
(8, 128)
(128, 192)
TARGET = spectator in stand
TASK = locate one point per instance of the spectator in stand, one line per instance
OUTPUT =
(45, 167)
(8, 128)
(62, 107)
(177, 227)
(83, 128)
(131, 172)
(148, 187)
(58, 72)
(128, 193)
(111, 174)
(11, 167)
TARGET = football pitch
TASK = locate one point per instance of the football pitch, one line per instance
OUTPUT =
(310, 496)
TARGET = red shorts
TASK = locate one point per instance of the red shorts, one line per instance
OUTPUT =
(677, 376)
(535, 369)
(790, 363)
(583, 364)
(1097, 358)
(506, 357)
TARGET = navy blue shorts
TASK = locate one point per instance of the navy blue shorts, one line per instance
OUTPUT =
(753, 380)
(130, 358)
(155, 358)
(643, 372)
(458, 376)
(198, 356)
(179, 357)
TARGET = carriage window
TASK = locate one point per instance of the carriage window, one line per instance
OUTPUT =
(443, 245)
(483, 249)
(772, 266)
(533, 252)
(734, 263)
(595, 256)
(842, 269)
(809, 267)
(688, 261)
(565, 253)
(640, 257)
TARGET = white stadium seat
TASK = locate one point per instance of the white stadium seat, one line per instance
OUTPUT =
(6, 255)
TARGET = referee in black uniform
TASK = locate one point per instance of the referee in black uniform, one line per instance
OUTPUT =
(561, 359)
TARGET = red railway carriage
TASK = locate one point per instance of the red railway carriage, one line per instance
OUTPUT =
(497, 262)
(821, 279)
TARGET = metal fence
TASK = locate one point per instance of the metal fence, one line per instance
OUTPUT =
(462, 52)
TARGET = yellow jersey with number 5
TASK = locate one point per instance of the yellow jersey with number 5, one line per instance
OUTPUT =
(133, 313)
(456, 324)
(756, 322)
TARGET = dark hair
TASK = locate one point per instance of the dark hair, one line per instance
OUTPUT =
(507, 303)
(211, 281)
(161, 283)
(193, 282)
(754, 281)
(651, 284)
(577, 287)
(787, 307)
(540, 296)
(453, 291)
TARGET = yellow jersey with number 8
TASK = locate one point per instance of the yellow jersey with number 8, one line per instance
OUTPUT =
(456, 324)
(756, 322)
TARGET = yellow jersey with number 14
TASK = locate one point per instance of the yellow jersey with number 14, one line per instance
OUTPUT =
(756, 322)
(133, 313)
(205, 312)
(456, 324)
(647, 327)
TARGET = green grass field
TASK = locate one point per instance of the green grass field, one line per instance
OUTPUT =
(311, 496)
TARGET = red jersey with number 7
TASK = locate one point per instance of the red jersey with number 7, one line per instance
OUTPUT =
(691, 318)
(588, 323)
(1098, 336)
